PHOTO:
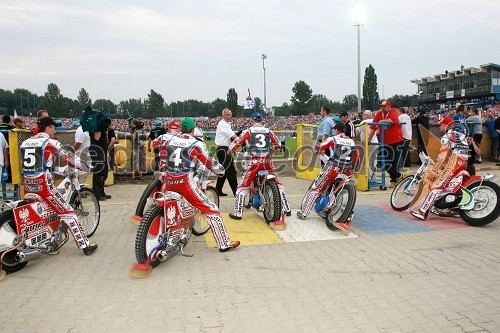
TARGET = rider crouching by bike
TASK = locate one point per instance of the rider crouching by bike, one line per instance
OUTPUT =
(446, 174)
(182, 155)
(343, 160)
(39, 154)
(261, 143)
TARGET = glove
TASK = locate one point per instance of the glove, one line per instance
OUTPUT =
(5, 174)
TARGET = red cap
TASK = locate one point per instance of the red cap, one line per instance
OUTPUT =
(445, 121)
(385, 103)
(174, 124)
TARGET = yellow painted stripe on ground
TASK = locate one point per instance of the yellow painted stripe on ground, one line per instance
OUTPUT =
(250, 230)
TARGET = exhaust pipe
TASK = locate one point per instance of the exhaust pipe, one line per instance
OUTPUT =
(28, 255)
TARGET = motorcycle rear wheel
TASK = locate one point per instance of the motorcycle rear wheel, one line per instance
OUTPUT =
(150, 229)
(149, 191)
(87, 210)
(342, 209)
(486, 207)
(272, 199)
(201, 225)
(405, 193)
(9, 262)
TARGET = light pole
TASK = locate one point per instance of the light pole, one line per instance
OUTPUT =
(264, 57)
(358, 22)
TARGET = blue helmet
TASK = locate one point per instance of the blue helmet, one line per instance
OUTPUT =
(257, 116)
(157, 122)
(75, 123)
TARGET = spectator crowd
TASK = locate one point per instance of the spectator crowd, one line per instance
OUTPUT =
(274, 123)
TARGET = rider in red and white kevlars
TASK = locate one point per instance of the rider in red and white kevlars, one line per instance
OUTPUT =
(182, 155)
(173, 130)
(261, 143)
(446, 174)
(40, 154)
(343, 160)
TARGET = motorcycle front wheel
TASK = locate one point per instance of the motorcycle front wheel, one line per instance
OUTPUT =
(150, 229)
(343, 206)
(9, 262)
(405, 192)
(486, 207)
(201, 225)
(87, 210)
(272, 201)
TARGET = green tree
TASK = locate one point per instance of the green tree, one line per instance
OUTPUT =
(155, 105)
(105, 105)
(217, 106)
(284, 110)
(232, 102)
(53, 101)
(350, 102)
(259, 106)
(401, 100)
(301, 99)
(130, 108)
(83, 99)
(370, 94)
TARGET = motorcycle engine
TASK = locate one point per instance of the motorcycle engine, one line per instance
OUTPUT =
(449, 200)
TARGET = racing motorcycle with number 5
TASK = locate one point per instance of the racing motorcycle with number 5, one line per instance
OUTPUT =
(30, 228)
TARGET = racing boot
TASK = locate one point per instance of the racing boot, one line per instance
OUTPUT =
(90, 249)
(234, 216)
(301, 215)
(419, 214)
(232, 245)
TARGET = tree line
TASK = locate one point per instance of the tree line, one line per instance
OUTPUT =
(303, 101)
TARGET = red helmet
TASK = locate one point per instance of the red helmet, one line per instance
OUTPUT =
(174, 124)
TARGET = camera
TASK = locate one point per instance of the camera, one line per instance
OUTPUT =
(136, 123)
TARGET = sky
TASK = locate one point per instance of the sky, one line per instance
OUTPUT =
(199, 49)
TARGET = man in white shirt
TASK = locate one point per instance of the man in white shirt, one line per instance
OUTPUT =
(405, 121)
(373, 144)
(82, 141)
(82, 144)
(198, 132)
(4, 154)
(223, 136)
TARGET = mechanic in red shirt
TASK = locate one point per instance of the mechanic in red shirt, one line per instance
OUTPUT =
(393, 140)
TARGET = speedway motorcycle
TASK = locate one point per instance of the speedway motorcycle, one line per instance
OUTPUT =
(476, 202)
(30, 228)
(165, 230)
(336, 203)
(203, 178)
(263, 194)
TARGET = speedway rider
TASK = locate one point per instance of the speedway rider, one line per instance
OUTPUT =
(39, 154)
(446, 174)
(261, 143)
(182, 155)
(342, 160)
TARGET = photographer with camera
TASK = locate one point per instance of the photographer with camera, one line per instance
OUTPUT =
(98, 152)
(137, 126)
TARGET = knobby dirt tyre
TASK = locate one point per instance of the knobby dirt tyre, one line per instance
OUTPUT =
(272, 207)
(342, 209)
(401, 200)
(487, 208)
(150, 228)
(88, 210)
